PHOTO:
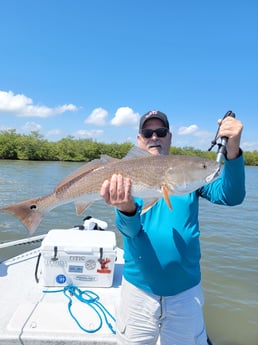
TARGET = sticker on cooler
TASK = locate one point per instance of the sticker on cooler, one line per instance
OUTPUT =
(60, 279)
(103, 266)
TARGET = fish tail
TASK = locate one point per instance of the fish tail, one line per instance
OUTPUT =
(28, 213)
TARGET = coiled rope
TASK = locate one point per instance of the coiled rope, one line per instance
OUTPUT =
(91, 299)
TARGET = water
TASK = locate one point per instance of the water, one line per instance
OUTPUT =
(229, 240)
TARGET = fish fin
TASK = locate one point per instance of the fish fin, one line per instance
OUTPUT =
(27, 212)
(137, 152)
(149, 205)
(81, 207)
(78, 173)
(108, 159)
(165, 193)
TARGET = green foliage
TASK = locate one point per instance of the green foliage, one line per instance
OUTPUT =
(251, 158)
(35, 147)
(8, 144)
(190, 151)
(32, 147)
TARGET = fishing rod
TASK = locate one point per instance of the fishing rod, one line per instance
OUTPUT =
(222, 148)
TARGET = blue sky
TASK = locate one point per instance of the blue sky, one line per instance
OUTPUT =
(90, 68)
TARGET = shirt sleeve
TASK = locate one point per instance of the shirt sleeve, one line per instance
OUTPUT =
(229, 188)
(130, 226)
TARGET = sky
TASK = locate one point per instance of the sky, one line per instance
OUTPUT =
(90, 69)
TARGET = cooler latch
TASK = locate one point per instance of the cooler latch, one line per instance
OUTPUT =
(55, 258)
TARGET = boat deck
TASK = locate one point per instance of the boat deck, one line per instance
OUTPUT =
(29, 316)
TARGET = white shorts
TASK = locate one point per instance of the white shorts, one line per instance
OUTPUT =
(148, 319)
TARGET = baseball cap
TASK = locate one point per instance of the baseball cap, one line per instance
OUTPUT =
(154, 114)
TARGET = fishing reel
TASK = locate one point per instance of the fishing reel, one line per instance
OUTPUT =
(222, 150)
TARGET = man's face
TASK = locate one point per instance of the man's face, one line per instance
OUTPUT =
(156, 145)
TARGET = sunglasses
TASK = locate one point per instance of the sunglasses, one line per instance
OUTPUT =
(160, 132)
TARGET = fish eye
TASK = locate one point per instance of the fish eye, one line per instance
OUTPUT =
(204, 165)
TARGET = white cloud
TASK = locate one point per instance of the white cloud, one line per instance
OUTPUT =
(97, 117)
(250, 145)
(125, 116)
(193, 136)
(92, 134)
(6, 128)
(54, 132)
(187, 130)
(31, 126)
(22, 106)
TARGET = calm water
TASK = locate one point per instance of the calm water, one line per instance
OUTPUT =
(229, 244)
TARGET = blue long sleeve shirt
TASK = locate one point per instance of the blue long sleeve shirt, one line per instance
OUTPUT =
(161, 247)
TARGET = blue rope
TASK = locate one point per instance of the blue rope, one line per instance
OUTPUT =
(92, 300)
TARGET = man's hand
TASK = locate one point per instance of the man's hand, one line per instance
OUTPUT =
(117, 192)
(232, 129)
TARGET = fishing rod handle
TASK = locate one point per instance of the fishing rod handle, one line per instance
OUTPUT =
(222, 151)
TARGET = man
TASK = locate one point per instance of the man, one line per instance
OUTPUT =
(161, 291)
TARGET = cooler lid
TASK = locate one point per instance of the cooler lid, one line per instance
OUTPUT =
(79, 240)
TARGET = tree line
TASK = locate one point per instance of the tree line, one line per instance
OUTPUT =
(33, 146)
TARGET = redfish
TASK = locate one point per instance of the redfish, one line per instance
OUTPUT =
(152, 177)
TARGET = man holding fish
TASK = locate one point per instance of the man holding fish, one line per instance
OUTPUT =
(161, 290)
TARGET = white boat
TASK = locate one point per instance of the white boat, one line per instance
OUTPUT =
(32, 314)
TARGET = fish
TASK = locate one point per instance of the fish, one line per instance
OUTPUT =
(152, 176)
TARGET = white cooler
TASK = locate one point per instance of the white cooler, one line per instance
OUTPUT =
(82, 258)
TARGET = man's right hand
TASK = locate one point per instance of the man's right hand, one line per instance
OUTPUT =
(117, 192)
